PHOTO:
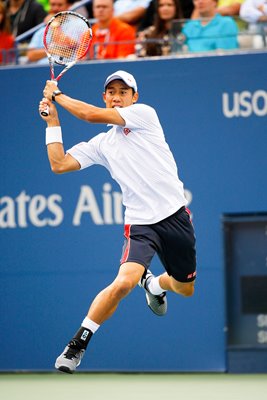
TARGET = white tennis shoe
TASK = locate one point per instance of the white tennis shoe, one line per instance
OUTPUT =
(157, 303)
(70, 358)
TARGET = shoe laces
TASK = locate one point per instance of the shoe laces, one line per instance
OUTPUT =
(72, 351)
(160, 298)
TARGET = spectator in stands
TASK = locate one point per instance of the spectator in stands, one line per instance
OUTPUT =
(230, 8)
(82, 10)
(162, 30)
(212, 31)
(24, 15)
(112, 38)
(187, 7)
(36, 52)
(131, 11)
(254, 11)
(6, 38)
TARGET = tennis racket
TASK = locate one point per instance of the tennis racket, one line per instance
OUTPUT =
(67, 39)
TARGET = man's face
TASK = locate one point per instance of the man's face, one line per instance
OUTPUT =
(205, 7)
(103, 10)
(118, 94)
(57, 6)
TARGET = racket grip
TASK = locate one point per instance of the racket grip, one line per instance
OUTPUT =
(45, 112)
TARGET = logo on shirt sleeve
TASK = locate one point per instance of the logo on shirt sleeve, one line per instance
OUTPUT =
(126, 131)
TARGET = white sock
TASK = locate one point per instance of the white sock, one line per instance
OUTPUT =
(89, 324)
(154, 286)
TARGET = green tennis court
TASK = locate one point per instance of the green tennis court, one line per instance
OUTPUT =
(98, 386)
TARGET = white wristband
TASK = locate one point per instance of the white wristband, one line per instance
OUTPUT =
(53, 135)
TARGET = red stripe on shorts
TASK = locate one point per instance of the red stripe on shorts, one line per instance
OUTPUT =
(127, 229)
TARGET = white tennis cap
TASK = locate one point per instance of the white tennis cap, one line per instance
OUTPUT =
(124, 76)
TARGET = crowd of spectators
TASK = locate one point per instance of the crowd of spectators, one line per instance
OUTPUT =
(35, 49)
(136, 28)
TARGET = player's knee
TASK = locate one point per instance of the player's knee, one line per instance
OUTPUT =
(185, 289)
(188, 291)
(122, 287)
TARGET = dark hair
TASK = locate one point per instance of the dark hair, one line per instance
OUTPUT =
(159, 23)
(159, 30)
(5, 24)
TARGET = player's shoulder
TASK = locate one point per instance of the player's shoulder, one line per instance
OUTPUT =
(143, 107)
(138, 110)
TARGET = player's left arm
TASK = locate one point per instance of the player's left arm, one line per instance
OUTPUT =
(60, 162)
(82, 110)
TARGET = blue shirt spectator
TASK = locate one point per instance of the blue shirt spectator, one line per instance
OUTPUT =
(219, 33)
(37, 43)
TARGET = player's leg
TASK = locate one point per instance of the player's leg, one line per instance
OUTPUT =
(178, 255)
(102, 308)
(157, 286)
(167, 282)
(107, 301)
(141, 244)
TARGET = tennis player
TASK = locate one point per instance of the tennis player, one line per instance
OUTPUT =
(137, 156)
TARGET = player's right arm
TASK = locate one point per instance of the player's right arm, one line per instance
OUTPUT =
(60, 162)
(82, 110)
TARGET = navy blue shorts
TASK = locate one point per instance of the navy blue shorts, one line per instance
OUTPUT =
(173, 239)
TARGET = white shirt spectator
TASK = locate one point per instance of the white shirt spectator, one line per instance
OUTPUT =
(253, 11)
(121, 6)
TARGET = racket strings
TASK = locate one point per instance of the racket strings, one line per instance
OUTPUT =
(67, 38)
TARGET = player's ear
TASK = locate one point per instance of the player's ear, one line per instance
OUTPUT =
(135, 97)
(104, 96)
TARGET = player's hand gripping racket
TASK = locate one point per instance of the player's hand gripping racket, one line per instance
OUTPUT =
(67, 39)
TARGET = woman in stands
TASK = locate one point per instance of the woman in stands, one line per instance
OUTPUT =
(159, 37)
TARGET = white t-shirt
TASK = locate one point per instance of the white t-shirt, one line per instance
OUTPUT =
(139, 159)
(250, 12)
(121, 6)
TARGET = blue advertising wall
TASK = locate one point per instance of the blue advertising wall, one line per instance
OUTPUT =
(61, 236)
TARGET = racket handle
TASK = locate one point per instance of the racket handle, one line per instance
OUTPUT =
(45, 112)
